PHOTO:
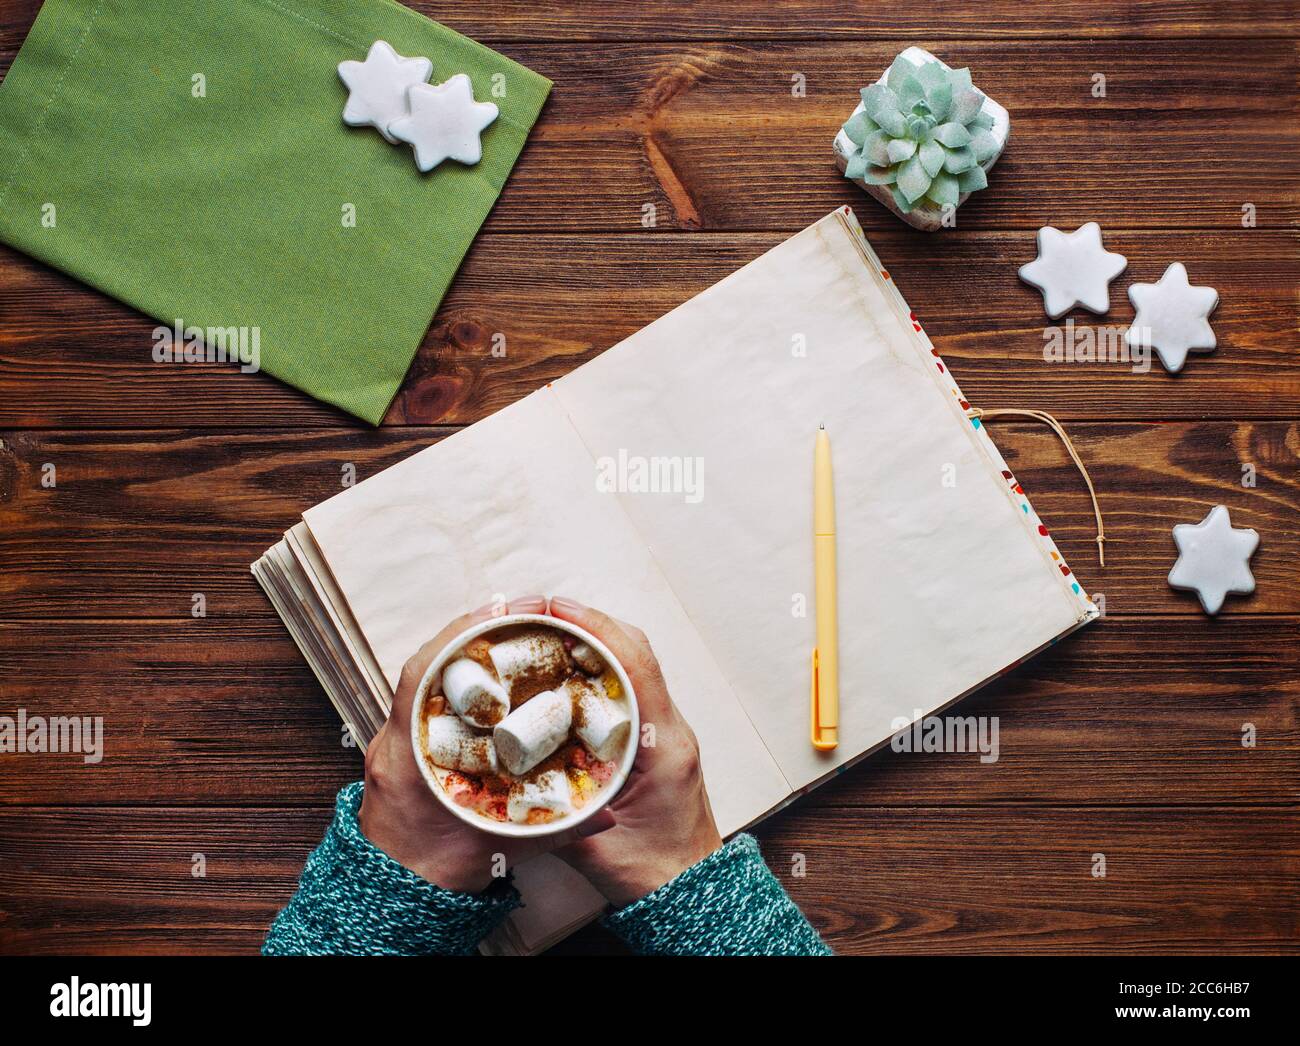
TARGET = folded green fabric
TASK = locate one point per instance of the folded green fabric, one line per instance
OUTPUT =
(190, 158)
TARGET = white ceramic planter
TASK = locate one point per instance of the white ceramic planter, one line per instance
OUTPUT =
(923, 217)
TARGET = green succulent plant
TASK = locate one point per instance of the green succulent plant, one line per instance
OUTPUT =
(923, 133)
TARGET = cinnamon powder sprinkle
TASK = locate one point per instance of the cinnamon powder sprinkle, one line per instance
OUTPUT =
(551, 665)
(484, 710)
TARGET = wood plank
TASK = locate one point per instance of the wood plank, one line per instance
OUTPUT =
(1129, 711)
(998, 880)
(140, 521)
(70, 357)
(501, 22)
(113, 881)
(493, 20)
(1013, 881)
(711, 135)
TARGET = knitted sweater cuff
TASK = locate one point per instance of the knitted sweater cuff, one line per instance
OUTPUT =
(730, 903)
(353, 899)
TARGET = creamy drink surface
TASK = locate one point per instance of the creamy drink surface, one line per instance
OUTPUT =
(526, 724)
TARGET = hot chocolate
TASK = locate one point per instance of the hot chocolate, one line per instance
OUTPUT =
(526, 724)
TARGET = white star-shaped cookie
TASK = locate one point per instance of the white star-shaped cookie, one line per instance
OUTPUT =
(1173, 317)
(445, 123)
(1073, 269)
(1214, 559)
(377, 87)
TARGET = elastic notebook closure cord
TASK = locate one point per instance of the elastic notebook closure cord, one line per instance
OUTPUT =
(1047, 419)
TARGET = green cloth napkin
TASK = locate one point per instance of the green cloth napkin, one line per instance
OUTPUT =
(227, 211)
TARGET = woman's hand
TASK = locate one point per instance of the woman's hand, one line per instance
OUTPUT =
(398, 812)
(657, 826)
(660, 823)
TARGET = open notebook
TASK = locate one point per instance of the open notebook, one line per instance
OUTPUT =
(946, 576)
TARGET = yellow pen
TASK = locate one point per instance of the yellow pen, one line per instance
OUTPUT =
(825, 700)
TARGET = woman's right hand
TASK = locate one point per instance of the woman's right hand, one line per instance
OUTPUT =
(660, 824)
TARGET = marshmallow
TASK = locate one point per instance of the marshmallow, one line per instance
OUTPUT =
(549, 792)
(601, 724)
(588, 660)
(533, 731)
(530, 662)
(473, 694)
(454, 746)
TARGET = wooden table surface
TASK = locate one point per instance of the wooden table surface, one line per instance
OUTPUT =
(1125, 740)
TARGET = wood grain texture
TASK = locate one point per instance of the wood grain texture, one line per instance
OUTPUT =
(1124, 740)
(72, 358)
(226, 712)
(500, 22)
(918, 880)
(1199, 880)
(140, 521)
(605, 20)
(712, 135)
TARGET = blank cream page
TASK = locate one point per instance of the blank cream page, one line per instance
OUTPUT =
(510, 506)
(941, 585)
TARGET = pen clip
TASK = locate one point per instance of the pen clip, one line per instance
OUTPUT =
(815, 734)
(814, 705)
(814, 698)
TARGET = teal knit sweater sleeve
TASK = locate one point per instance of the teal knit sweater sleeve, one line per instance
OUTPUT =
(730, 903)
(353, 899)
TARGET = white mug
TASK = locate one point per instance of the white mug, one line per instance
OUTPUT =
(433, 678)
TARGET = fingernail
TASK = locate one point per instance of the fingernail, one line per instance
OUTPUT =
(562, 603)
(598, 822)
(528, 602)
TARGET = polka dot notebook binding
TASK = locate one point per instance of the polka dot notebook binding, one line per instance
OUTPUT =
(944, 376)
